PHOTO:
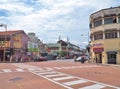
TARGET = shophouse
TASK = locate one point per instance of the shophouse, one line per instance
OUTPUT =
(62, 48)
(105, 36)
(35, 45)
(13, 44)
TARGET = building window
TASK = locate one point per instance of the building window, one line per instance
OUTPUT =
(98, 36)
(111, 34)
(54, 48)
(7, 38)
(118, 19)
(110, 20)
(2, 38)
(90, 25)
(97, 23)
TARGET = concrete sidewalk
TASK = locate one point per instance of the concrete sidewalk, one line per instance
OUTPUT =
(112, 65)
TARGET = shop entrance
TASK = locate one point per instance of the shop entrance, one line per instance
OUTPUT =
(111, 56)
(98, 57)
(1, 55)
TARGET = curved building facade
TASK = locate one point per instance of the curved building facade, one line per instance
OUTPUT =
(105, 36)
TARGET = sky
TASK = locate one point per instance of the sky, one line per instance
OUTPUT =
(51, 19)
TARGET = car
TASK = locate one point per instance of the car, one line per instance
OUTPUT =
(51, 57)
(78, 59)
(41, 58)
(81, 58)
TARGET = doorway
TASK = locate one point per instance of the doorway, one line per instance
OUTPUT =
(1, 55)
(98, 57)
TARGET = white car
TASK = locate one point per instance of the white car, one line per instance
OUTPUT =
(80, 58)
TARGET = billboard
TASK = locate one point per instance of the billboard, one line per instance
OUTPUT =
(17, 41)
(32, 47)
(4, 44)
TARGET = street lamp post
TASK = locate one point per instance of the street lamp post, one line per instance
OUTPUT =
(5, 26)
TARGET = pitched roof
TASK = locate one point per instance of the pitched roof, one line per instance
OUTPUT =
(10, 32)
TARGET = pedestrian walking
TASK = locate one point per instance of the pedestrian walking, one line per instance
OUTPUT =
(11, 58)
(83, 59)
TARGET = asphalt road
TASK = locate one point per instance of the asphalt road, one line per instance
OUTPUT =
(58, 74)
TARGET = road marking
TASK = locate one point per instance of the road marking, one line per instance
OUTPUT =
(41, 71)
(95, 86)
(57, 68)
(75, 82)
(7, 70)
(35, 69)
(48, 68)
(51, 72)
(63, 78)
(20, 70)
(73, 67)
(55, 75)
(67, 87)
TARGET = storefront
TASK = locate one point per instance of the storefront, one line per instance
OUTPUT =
(98, 54)
(111, 57)
(13, 44)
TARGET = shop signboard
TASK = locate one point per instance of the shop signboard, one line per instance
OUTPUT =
(4, 44)
(17, 41)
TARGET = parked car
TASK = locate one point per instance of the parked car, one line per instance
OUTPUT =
(41, 58)
(51, 57)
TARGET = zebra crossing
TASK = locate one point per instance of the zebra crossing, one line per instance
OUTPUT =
(23, 67)
(66, 80)
(11, 70)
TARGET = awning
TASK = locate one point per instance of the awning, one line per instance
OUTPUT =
(98, 49)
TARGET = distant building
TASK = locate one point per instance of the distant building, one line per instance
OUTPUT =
(105, 36)
(35, 45)
(62, 48)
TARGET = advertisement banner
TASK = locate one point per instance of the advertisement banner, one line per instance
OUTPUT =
(32, 47)
(17, 41)
(5, 44)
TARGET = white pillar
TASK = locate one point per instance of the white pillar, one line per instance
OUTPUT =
(103, 35)
(118, 34)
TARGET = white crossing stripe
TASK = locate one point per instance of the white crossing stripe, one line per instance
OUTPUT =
(63, 78)
(55, 75)
(95, 86)
(48, 68)
(20, 70)
(7, 70)
(48, 72)
(41, 71)
(57, 68)
(31, 69)
(75, 82)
